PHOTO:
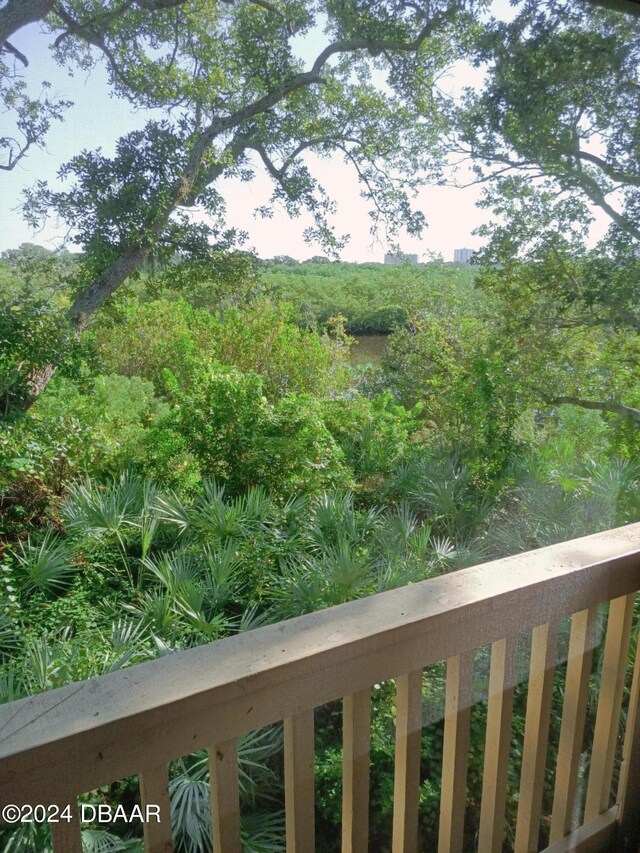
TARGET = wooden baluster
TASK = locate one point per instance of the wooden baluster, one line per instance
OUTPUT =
(66, 836)
(614, 667)
(573, 717)
(628, 795)
(536, 737)
(356, 739)
(406, 786)
(457, 718)
(497, 743)
(299, 751)
(225, 797)
(154, 791)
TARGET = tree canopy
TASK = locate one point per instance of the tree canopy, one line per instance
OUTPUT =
(562, 101)
(555, 133)
(236, 87)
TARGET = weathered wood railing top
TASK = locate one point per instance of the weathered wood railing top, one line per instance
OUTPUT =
(68, 741)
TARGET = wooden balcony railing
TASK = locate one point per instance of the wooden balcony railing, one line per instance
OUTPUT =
(58, 745)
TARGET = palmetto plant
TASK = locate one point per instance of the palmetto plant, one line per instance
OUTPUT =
(399, 571)
(171, 510)
(443, 550)
(44, 662)
(125, 643)
(253, 617)
(117, 513)
(173, 568)
(25, 838)
(261, 831)
(190, 814)
(405, 477)
(401, 532)
(213, 564)
(147, 520)
(215, 519)
(298, 589)
(103, 841)
(367, 454)
(10, 640)
(104, 512)
(333, 518)
(445, 492)
(536, 514)
(441, 490)
(257, 777)
(155, 610)
(213, 516)
(615, 484)
(548, 506)
(222, 570)
(31, 837)
(410, 552)
(198, 594)
(346, 572)
(45, 566)
(203, 617)
(11, 687)
(333, 575)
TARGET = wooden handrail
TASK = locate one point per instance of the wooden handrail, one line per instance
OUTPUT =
(71, 740)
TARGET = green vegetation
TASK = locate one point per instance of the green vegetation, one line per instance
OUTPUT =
(373, 297)
(187, 452)
(188, 476)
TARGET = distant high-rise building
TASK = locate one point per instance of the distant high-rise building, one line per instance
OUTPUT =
(463, 256)
(395, 260)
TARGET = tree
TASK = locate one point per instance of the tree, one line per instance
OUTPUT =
(556, 133)
(569, 308)
(458, 364)
(561, 101)
(83, 28)
(35, 271)
(236, 95)
(34, 293)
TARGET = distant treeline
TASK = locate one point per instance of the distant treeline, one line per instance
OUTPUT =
(374, 298)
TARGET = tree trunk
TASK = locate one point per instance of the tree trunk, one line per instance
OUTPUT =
(18, 13)
(84, 307)
(37, 381)
(88, 301)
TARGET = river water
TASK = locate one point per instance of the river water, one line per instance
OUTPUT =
(368, 349)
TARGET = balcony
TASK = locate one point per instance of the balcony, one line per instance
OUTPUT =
(59, 745)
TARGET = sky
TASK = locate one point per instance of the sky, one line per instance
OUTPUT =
(97, 119)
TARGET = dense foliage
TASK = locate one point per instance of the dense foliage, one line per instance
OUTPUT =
(374, 298)
(193, 474)
(205, 456)
(554, 132)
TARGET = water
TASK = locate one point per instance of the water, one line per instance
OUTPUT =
(369, 349)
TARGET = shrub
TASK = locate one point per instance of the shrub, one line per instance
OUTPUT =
(236, 435)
